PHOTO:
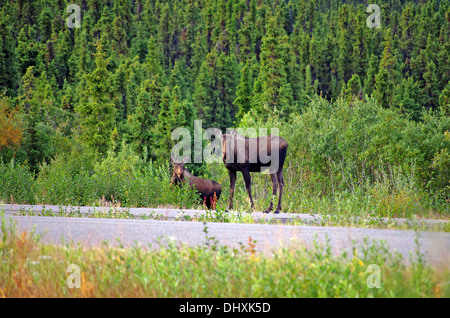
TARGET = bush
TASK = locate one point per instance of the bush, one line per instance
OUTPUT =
(67, 180)
(16, 183)
(121, 178)
(365, 150)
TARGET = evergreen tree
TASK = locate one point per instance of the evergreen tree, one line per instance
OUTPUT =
(8, 61)
(146, 116)
(227, 75)
(198, 56)
(272, 88)
(387, 76)
(189, 33)
(154, 60)
(408, 98)
(45, 24)
(80, 60)
(163, 134)
(430, 91)
(27, 50)
(369, 82)
(246, 34)
(139, 43)
(444, 100)
(178, 77)
(203, 96)
(119, 37)
(244, 92)
(215, 59)
(36, 100)
(353, 89)
(60, 62)
(164, 34)
(96, 111)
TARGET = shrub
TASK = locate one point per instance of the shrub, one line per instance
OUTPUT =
(121, 178)
(363, 149)
(67, 180)
(16, 183)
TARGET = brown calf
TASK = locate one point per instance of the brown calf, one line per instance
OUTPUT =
(209, 190)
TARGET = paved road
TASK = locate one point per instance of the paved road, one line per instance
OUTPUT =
(175, 214)
(94, 231)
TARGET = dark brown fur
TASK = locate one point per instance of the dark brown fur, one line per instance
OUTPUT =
(209, 190)
(253, 148)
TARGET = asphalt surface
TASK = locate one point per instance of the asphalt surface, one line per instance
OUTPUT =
(176, 214)
(434, 246)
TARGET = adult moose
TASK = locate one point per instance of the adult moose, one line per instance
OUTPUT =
(208, 190)
(247, 155)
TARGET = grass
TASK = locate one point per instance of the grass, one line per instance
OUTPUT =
(31, 268)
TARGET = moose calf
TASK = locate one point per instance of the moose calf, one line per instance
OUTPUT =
(209, 190)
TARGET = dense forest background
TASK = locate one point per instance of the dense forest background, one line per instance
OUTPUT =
(112, 91)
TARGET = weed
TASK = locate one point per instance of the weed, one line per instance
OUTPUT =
(31, 268)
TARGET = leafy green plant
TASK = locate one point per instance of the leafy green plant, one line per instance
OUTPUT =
(16, 183)
(31, 268)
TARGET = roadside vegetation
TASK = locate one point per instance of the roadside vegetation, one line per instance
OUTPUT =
(31, 268)
(224, 216)
(86, 114)
(344, 160)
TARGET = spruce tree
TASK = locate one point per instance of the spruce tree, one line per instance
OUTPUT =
(139, 43)
(8, 61)
(163, 133)
(96, 110)
(353, 89)
(372, 71)
(244, 92)
(274, 91)
(387, 76)
(154, 61)
(444, 100)
(408, 98)
(145, 117)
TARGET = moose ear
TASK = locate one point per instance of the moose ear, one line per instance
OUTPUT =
(171, 160)
(186, 159)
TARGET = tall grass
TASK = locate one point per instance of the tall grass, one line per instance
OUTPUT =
(33, 269)
(121, 179)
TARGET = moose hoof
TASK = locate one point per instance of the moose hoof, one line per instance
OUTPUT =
(267, 211)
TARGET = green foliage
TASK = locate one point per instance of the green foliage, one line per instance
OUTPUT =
(96, 110)
(212, 270)
(135, 71)
(66, 180)
(121, 178)
(370, 159)
(17, 183)
(444, 100)
(271, 87)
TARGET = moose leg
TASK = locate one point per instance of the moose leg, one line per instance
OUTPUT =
(248, 186)
(275, 183)
(281, 184)
(232, 175)
(207, 201)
